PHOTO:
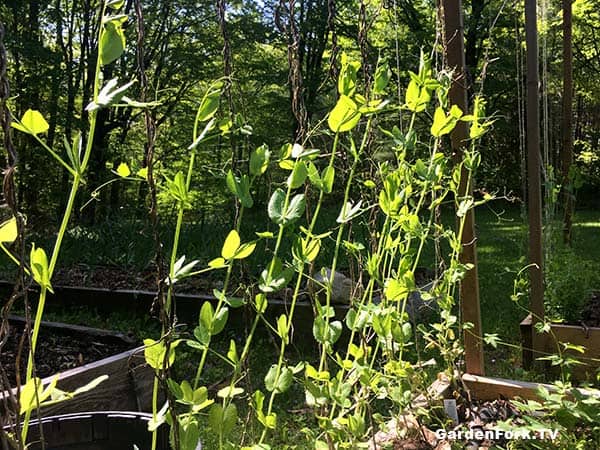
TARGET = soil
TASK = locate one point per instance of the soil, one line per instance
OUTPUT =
(590, 314)
(56, 351)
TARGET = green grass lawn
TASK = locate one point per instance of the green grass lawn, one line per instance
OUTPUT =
(502, 250)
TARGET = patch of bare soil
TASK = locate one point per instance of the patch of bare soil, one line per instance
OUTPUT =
(113, 277)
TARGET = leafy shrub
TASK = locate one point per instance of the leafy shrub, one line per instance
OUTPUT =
(569, 283)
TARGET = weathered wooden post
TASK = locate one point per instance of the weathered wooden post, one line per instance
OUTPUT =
(469, 288)
(536, 269)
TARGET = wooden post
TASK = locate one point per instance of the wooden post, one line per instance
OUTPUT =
(469, 288)
(536, 273)
(567, 120)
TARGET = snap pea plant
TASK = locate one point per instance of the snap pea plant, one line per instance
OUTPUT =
(111, 39)
(376, 362)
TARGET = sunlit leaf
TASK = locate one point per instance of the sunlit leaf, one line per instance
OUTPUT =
(259, 160)
(32, 122)
(232, 243)
(8, 231)
(344, 116)
(39, 267)
(245, 250)
(112, 41)
(229, 392)
(123, 170)
(143, 173)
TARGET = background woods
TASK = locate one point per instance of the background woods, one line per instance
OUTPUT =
(281, 56)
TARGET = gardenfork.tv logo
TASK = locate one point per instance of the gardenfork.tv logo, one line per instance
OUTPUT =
(479, 434)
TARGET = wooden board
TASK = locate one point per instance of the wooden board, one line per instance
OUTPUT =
(129, 387)
(576, 335)
(488, 388)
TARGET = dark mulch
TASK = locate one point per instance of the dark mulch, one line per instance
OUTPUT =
(590, 314)
(411, 444)
(112, 277)
(56, 351)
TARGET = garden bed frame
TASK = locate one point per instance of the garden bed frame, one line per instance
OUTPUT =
(588, 337)
(129, 387)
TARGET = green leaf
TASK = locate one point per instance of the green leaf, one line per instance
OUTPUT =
(395, 290)
(240, 187)
(8, 231)
(282, 328)
(443, 124)
(313, 175)
(177, 188)
(275, 279)
(275, 207)
(112, 40)
(232, 354)
(382, 78)
(215, 418)
(344, 116)
(347, 76)
(298, 175)
(259, 160)
(326, 333)
(39, 267)
(123, 170)
(245, 250)
(222, 420)
(278, 382)
(229, 418)
(115, 4)
(260, 303)
(306, 250)
(295, 209)
(328, 177)
(189, 433)
(265, 234)
(32, 122)
(231, 245)
(206, 316)
(412, 95)
(31, 394)
(219, 320)
(217, 263)
(229, 392)
(210, 103)
(155, 353)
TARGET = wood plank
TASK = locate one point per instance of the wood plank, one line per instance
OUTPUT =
(573, 334)
(129, 387)
(489, 388)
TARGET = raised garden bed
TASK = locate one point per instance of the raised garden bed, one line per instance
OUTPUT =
(81, 354)
(139, 303)
(581, 335)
